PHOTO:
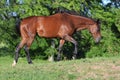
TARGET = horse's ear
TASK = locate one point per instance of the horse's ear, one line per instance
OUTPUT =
(98, 21)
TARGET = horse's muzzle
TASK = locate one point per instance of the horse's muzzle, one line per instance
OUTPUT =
(97, 40)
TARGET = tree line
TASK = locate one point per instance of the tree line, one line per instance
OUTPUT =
(109, 15)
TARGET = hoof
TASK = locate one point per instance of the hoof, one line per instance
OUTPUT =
(14, 64)
(51, 58)
(74, 57)
(30, 62)
(58, 59)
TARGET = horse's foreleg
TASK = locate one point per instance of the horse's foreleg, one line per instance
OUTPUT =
(69, 38)
(59, 49)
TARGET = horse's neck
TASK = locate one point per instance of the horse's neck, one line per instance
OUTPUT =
(81, 23)
(82, 27)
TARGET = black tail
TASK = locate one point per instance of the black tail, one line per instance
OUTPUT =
(18, 20)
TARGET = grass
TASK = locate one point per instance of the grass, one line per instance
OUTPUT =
(83, 69)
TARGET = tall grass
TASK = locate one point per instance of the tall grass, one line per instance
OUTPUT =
(83, 69)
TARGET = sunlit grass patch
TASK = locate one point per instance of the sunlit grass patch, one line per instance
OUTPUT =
(82, 69)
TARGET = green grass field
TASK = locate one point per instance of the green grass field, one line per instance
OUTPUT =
(82, 69)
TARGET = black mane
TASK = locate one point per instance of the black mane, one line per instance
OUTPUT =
(73, 12)
(65, 10)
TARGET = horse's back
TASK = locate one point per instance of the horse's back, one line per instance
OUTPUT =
(54, 26)
(48, 26)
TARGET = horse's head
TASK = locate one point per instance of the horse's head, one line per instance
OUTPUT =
(95, 31)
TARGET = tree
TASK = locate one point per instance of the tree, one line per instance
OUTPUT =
(109, 15)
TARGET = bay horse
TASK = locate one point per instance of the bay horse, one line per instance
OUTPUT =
(59, 25)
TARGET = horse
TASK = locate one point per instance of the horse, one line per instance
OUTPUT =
(59, 25)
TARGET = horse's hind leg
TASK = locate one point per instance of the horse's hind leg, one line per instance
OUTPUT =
(22, 43)
(59, 49)
(26, 48)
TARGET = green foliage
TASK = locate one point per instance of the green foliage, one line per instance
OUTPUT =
(109, 16)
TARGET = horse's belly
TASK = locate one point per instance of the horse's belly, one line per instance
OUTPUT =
(46, 33)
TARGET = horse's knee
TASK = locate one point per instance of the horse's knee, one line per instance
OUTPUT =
(25, 48)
